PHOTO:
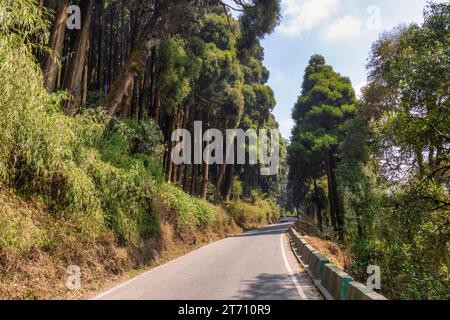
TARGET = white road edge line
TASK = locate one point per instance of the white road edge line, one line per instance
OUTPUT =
(294, 279)
(145, 273)
(292, 274)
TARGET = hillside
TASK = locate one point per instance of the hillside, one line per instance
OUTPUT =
(98, 190)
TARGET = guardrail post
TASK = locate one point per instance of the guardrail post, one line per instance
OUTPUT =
(344, 287)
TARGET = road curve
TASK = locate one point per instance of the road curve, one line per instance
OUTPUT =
(256, 265)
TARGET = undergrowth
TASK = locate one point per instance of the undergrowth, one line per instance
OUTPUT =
(254, 213)
(71, 187)
(99, 178)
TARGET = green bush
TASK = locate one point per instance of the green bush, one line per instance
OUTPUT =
(130, 144)
(99, 178)
(184, 209)
(90, 178)
(252, 215)
(410, 244)
(18, 228)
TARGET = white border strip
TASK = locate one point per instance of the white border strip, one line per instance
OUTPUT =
(293, 277)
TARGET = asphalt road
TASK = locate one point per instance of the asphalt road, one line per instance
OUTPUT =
(257, 265)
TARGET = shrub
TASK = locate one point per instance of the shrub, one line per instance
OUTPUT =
(62, 159)
(252, 215)
(184, 210)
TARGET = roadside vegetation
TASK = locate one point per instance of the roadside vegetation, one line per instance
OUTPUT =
(86, 118)
(81, 185)
(375, 173)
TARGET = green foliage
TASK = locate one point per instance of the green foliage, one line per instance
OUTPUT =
(260, 101)
(177, 70)
(187, 211)
(220, 82)
(134, 145)
(24, 22)
(393, 156)
(18, 227)
(327, 101)
(324, 108)
(216, 29)
(98, 178)
(40, 147)
(394, 170)
(252, 215)
(237, 188)
(258, 19)
(48, 154)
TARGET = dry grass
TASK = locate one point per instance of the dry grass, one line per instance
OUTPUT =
(39, 272)
(250, 216)
(322, 243)
(329, 249)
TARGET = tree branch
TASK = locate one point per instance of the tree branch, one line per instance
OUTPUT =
(226, 5)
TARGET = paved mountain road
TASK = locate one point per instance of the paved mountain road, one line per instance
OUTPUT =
(256, 265)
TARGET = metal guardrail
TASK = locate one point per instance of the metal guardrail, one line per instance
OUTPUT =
(332, 282)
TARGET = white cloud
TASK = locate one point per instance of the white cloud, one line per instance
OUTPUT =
(358, 89)
(345, 28)
(286, 124)
(303, 15)
(277, 76)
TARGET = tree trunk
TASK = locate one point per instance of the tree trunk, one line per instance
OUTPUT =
(420, 161)
(228, 181)
(85, 83)
(127, 99)
(318, 208)
(175, 174)
(76, 63)
(152, 80)
(144, 96)
(170, 127)
(205, 181)
(193, 179)
(335, 202)
(186, 178)
(331, 199)
(359, 223)
(220, 176)
(52, 61)
(100, 68)
(138, 97)
(246, 180)
(135, 63)
(110, 50)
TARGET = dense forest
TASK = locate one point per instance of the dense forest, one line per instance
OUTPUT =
(92, 90)
(90, 93)
(169, 63)
(375, 173)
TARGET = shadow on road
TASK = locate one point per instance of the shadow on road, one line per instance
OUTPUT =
(277, 229)
(269, 287)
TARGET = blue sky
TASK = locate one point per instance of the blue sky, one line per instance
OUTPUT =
(341, 30)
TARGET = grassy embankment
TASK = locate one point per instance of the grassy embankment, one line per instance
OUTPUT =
(73, 192)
